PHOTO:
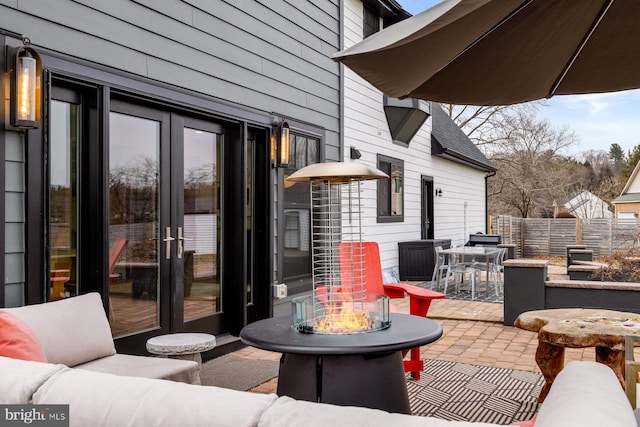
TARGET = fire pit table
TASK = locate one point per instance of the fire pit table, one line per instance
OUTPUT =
(363, 369)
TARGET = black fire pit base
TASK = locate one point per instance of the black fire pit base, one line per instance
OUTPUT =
(372, 380)
(354, 370)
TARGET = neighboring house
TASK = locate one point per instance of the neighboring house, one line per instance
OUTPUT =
(586, 205)
(157, 126)
(438, 186)
(627, 204)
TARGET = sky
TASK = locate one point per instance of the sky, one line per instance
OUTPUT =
(598, 120)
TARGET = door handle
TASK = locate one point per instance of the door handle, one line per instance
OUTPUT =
(167, 241)
(181, 239)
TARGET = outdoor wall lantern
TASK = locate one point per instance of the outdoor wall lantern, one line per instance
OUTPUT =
(280, 145)
(25, 69)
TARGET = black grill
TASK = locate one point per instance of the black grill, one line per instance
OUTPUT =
(483, 240)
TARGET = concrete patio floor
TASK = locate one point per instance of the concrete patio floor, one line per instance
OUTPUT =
(473, 333)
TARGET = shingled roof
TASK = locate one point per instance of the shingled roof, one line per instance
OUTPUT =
(450, 142)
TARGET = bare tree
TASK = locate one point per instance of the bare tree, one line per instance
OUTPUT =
(133, 192)
(600, 176)
(527, 150)
(532, 171)
(483, 124)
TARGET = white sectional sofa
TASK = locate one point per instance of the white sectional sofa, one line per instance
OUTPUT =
(585, 394)
(75, 332)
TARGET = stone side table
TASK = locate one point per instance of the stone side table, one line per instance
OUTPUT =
(185, 346)
(578, 328)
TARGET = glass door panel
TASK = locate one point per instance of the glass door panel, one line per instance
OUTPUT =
(201, 234)
(297, 216)
(134, 223)
(63, 190)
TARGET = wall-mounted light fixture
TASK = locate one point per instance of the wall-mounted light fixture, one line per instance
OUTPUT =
(355, 154)
(438, 192)
(25, 69)
(280, 144)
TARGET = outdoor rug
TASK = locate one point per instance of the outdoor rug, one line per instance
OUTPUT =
(237, 373)
(446, 390)
(463, 392)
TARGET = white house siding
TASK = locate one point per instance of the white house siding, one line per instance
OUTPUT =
(365, 127)
(463, 190)
(634, 186)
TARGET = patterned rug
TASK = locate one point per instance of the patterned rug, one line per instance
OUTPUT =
(463, 392)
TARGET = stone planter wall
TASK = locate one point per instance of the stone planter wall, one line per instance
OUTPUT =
(526, 288)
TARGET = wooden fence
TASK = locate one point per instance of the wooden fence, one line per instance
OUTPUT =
(550, 236)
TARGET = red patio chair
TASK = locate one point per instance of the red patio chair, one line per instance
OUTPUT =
(115, 252)
(419, 298)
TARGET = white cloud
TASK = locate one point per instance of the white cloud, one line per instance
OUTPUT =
(598, 120)
(594, 103)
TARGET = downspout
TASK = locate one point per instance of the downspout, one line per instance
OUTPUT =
(486, 200)
(341, 81)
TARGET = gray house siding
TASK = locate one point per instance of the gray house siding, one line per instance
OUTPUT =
(14, 220)
(266, 56)
(248, 55)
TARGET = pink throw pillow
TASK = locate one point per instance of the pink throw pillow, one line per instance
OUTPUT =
(17, 339)
(529, 423)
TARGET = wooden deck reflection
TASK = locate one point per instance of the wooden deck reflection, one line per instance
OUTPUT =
(129, 314)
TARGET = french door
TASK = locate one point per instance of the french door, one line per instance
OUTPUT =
(164, 218)
(160, 209)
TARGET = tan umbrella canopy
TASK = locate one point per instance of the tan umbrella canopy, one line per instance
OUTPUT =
(336, 172)
(500, 52)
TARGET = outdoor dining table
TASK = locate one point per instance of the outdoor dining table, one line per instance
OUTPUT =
(477, 255)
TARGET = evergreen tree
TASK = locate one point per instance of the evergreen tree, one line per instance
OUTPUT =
(616, 155)
(632, 160)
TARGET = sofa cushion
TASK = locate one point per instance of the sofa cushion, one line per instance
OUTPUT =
(99, 399)
(289, 412)
(17, 339)
(72, 330)
(20, 379)
(186, 371)
(586, 394)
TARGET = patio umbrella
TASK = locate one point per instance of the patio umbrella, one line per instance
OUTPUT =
(499, 52)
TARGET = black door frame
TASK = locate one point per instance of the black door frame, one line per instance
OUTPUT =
(178, 123)
(426, 200)
(134, 341)
(106, 83)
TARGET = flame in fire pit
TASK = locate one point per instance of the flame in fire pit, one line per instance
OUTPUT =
(344, 318)
(341, 317)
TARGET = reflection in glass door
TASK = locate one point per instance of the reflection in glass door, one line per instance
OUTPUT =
(63, 221)
(134, 223)
(200, 239)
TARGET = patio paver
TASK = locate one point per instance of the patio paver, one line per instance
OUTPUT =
(473, 333)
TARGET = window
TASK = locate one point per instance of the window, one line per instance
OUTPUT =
(371, 22)
(391, 190)
(305, 150)
(627, 215)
